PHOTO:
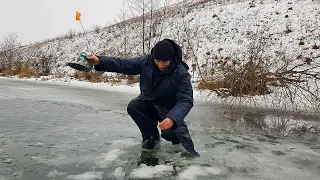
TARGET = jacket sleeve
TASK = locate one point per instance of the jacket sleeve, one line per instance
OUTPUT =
(184, 100)
(130, 66)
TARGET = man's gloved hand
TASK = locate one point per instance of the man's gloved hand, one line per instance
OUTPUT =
(166, 124)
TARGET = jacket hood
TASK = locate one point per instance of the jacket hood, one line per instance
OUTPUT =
(177, 59)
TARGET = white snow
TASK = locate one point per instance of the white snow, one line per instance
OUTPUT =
(86, 176)
(134, 89)
(110, 157)
(119, 172)
(148, 172)
(193, 171)
(55, 174)
(8, 161)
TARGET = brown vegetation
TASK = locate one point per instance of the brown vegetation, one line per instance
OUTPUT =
(19, 70)
(132, 79)
(250, 79)
(94, 77)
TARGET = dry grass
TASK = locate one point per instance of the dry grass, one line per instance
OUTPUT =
(20, 70)
(94, 77)
(132, 80)
(120, 78)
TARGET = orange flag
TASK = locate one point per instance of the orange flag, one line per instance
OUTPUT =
(78, 16)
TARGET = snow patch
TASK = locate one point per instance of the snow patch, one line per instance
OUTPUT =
(86, 176)
(193, 171)
(60, 160)
(55, 173)
(119, 173)
(7, 161)
(110, 157)
(147, 172)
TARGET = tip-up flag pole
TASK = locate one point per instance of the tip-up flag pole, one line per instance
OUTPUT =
(78, 18)
(82, 56)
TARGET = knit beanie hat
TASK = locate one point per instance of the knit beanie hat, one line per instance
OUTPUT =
(163, 51)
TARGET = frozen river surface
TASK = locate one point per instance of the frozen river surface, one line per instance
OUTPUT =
(51, 131)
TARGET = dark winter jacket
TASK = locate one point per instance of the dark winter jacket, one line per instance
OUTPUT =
(173, 96)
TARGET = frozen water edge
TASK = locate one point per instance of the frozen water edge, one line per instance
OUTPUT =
(266, 102)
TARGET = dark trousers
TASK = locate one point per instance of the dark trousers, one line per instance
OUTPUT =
(146, 117)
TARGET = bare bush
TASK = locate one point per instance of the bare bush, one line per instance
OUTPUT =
(140, 7)
(9, 51)
(96, 28)
(123, 26)
(71, 34)
(152, 16)
(44, 63)
(293, 82)
(189, 36)
(250, 79)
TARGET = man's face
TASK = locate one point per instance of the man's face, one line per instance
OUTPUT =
(162, 65)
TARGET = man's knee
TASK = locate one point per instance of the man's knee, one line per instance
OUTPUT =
(137, 106)
(133, 105)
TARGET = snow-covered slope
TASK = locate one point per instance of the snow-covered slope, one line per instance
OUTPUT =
(215, 29)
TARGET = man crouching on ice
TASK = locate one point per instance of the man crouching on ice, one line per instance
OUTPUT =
(166, 94)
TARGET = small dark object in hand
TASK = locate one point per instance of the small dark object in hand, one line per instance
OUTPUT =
(79, 67)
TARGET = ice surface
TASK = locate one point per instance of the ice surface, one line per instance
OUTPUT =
(124, 143)
(83, 137)
(3, 178)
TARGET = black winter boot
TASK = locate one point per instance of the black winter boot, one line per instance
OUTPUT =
(150, 142)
